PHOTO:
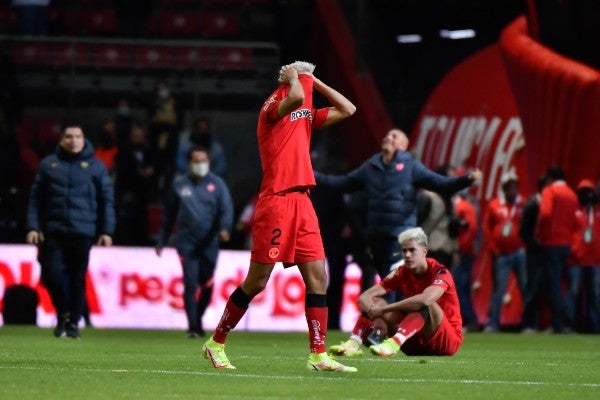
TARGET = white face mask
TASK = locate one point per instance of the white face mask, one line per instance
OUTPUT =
(199, 169)
(163, 93)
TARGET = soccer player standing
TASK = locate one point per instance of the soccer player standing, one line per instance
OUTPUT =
(286, 227)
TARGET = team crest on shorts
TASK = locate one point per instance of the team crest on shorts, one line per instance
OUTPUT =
(273, 253)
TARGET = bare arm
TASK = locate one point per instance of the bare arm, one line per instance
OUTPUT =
(295, 96)
(370, 297)
(341, 108)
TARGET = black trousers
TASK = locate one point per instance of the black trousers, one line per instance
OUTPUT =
(65, 254)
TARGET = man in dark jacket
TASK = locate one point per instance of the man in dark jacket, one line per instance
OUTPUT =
(201, 205)
(71, 204)
(392, 179)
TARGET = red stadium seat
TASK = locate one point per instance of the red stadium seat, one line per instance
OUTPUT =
(153, 57)
(112, 56)
(193, 57)
(220, 24)
(29, 53)
(8, 20)
(179, 24)
(235, 59)
(65, 54)
(99, 22)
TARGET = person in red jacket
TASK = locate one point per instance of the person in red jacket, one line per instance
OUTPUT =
(584, 259)
(501, 229)
(466, 212)
(555, 228)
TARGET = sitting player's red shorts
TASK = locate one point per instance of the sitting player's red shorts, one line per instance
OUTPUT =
(444, 342)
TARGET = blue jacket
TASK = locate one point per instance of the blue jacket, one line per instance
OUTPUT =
(392, 189)
(201, 208)
(72, 194)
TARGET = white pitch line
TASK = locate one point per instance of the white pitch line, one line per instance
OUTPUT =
(302, 377)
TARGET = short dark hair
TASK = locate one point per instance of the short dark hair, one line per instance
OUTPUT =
(555, 173)
(194, 149)
(70, 124)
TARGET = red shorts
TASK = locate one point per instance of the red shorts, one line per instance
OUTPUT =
(444, 342)
(286, 230)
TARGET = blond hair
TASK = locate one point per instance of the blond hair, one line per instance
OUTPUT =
(304, 66)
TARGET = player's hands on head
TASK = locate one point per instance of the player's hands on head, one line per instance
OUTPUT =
(287, 74)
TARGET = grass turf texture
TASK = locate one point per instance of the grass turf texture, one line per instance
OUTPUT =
(126, 364)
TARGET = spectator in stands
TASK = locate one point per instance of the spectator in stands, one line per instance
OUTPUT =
(135, 186)
(132, 17)
(166, 119)
(556, 226)
(123, 120)
(32, 16)
(535, 271)
(201, 135)
(391, 179)
(107, 148)
(584, 269)
(201, 205)
(500, 227)
(435, 214)
(71, 204)
(466, 212)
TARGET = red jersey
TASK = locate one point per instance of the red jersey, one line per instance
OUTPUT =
(556, 221)
(409, 285)
(585, 251)
(284, 142)
(466, 211)
(501, 225)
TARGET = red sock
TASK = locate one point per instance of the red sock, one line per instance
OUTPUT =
(316, 318)
(410, 325)
(231, 316)
(363, 327)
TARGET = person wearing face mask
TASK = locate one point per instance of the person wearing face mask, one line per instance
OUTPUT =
(584, 261)
(201, 135)
(201, 205)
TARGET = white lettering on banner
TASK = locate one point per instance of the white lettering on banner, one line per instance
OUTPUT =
(441, 140)
(134, 288)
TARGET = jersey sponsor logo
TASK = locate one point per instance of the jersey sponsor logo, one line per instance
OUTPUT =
(273, 253)
(301, 113)
(439, 282)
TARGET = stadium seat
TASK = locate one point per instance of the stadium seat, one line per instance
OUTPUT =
(153, 57)
(235, 59)
(112, 56)
(29, 53)
(66, 54)
(8, 20)
(99, 22)
(179, 24)
(220, 25)
(194, 57)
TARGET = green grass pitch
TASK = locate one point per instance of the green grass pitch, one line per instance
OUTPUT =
(148, 364)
